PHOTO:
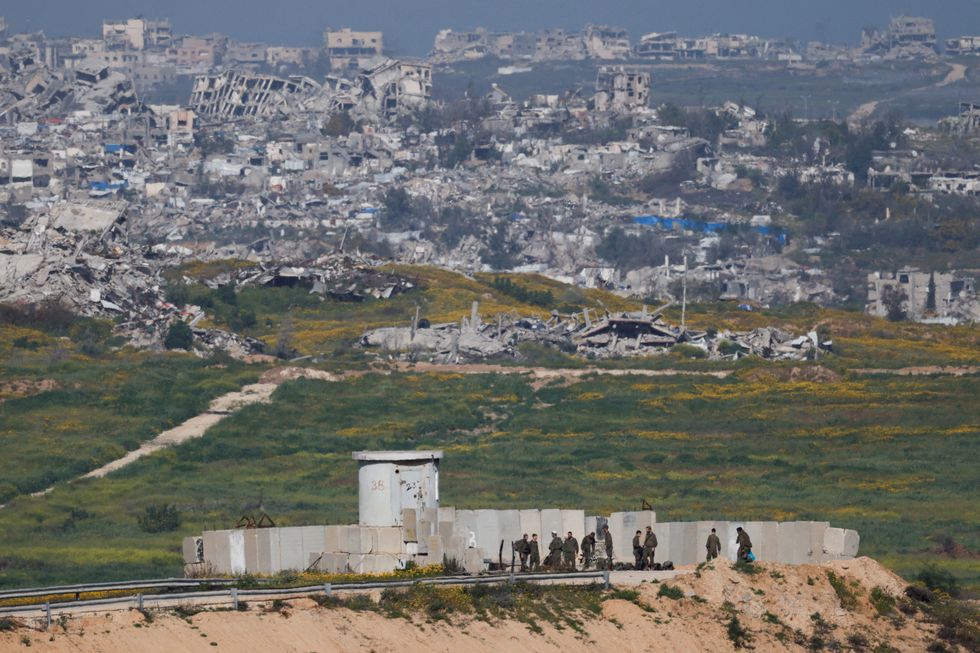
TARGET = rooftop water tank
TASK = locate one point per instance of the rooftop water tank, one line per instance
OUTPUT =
(390, 481)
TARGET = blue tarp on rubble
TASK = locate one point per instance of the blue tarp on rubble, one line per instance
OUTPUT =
(702, 227)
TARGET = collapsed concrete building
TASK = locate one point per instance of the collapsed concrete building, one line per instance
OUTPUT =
(620, 88)
(965, 123)
(589, 334)
(906, 37)
(606, 42)
(963, 46)
(401, 520)
(235, 94)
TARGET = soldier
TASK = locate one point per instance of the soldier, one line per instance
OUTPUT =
(744, 544)
(535, 552)
(713, 545)
(523, 549)
(637, 551)
(609, 547)
(649, 547)
(554, 551)
(570, 548)
(588, 549)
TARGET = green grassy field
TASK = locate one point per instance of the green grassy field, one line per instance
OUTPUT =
(892, 456)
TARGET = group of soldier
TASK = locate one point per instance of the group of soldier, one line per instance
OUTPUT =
(562, 553)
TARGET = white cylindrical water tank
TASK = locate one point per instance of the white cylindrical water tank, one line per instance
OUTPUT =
(390, 481)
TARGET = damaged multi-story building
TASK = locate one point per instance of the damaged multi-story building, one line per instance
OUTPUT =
(620, 88)
(137, 34)
(963, 46)
(350, 50)
(906, 37)
(233, 94)
(920, 295)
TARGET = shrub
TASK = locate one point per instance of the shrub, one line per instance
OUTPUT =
(848, 600)
(179, 336)
(738, 634)
(671, 592)
(160, 518)
(882, 601)
(936, 578)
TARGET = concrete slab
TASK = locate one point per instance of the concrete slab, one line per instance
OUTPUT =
(817, 530)
(664, 551)
(436, 550)
(368, 539)
(331, 536)
(390, 540)
(447, 514)
(267, 550)
(354, 539)
(488, 531)
(852, 542)
(794, 542)
(574, 521)
(473, 562)
(189, 549)
(455, 548)
(217, 550)
(767, 546)
(510, 527)
(726, 533)
(530, 523)
(466, 526)
(252, 550)
(236, 551)
(702, 530)
(623, 525)
(291, 555)
(430, 515)
(833, 543)
(683, 544)
(730, 546)
(314, 540)
(410, 524)
(591, 522)
(550, 521)
(446, 530)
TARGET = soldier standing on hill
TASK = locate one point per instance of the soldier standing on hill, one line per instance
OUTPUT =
(744, 544)
(649, 547)
(570, 549)
(534, 552)
(588, 548)
(609, 547)
(523, 548)
(554, 551)
(637, 551)
(713, 545)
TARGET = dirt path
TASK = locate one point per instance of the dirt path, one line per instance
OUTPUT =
(930, 370)
(957, 73)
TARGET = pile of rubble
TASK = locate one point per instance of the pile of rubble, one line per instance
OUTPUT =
(613, 335)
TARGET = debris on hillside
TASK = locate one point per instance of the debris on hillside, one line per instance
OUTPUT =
(613, 335)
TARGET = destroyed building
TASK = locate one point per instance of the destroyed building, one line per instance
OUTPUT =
(965, 123)
(234, 94)
(605, 42)
(906, 37)
(350, 50)
(137, 34)
(963, 46)
(401, 520)
(920, 295)
(621, 89)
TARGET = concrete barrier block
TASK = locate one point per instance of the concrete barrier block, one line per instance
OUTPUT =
(574, 521)
(766, 543)
(488, 531)
(251, 550)
(384, 564)
(430, 515)
(236, 551)
(331, 538)
(217, 550)
(702, 530)
(833, 543)
(435, 549)
(446, 530)
(455, 548)
(683, 543)
(369, 539)
(662, 531)
(390, 540)
(794, 542)
(291, 554)
(410, 524)
(852, 542)
(592, 526)
(817, 530)
(550, 521)
(623, 526)
(353, 539)
(466, 525)
(314, 540)
(510, 526)
(730, 546)
(189, 549)
(530, 523)
(446, 514)
(473, 562)
(267, 550)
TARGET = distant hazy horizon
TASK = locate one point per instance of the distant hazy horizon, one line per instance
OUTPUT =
(411, 25)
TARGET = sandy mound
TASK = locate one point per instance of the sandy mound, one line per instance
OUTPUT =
(776, 607)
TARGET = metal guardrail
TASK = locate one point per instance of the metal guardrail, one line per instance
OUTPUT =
(55, 590)
(233, 595)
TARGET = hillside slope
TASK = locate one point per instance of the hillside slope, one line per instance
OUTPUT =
(777, 608)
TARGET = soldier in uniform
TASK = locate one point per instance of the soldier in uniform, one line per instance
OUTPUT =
(713, 545)
(523, 548)
(609, 547)
(649, 547)
(744, 544)
(534, 552)
(637, 551)
(554, 551)
(570, 548)
(588, 549)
